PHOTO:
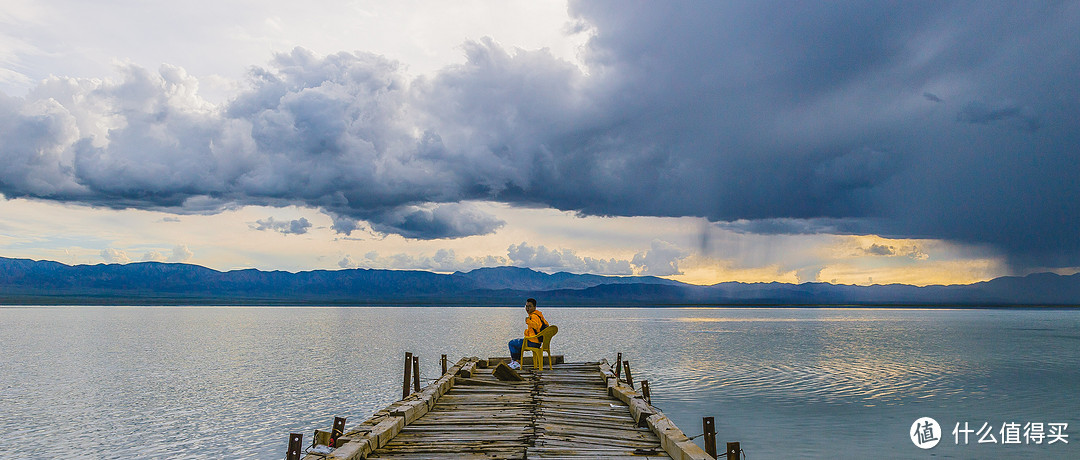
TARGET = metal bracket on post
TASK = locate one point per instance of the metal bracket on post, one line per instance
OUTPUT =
(295, 446)
(733, 451)
(618, 366)
(416, 373)
(408, 375)
(629, 379)
(443, 364)
(337, 431)
(645, 392)
(708, 427)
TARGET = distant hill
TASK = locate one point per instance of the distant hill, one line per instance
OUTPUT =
(25, 282)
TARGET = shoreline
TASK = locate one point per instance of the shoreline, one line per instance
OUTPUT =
(222, 302)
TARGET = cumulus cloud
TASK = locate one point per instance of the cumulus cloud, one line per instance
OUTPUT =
(910, 251)
(292, 227)
(344, 225)
(444, 260)
(880, 250)
(917, 254)
(542, 258)
(771, 119)
(180, 253)
(522, 255)
(115, 256)
(662, 259)
(808, 274)
(348, 262)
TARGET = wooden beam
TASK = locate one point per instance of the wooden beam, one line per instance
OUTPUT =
(408, 371)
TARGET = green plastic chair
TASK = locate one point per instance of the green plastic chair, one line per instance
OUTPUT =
(545, 346)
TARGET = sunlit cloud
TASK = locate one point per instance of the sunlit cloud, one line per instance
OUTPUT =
(938, 272)
(180, 253)
(115, 256)
(443, 261)
(542, 258)
(562, 244)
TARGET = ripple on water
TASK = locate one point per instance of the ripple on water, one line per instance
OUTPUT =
(232, 382)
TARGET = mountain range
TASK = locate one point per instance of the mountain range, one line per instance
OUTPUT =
(29, 282)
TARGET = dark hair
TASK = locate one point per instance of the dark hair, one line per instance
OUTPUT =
(531, 300)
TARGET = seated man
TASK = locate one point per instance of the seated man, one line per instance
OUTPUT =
(535, 323)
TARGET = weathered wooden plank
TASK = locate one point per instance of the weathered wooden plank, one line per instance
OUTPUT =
(587, 442)
(577, 453)
(565, 412)
(489, 454)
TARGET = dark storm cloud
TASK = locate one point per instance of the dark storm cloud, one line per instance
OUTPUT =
(451, 220)
(788, 226)
(767, 115)
(977, 113)
(906, 119)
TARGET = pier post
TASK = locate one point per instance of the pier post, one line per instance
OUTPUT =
(295, 446)
(416, 373)
(629, 379)
(408, 375)
(443, 364)
(708, 427)
(618, 366)
(337, 430)
(645, 392)
(733, 451)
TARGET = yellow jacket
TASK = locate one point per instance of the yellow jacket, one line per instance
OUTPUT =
(535, 323)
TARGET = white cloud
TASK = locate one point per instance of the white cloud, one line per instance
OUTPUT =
(115, 256)
(542, 258)
(444, 260)
(348, 262)
(660, 260)
(808, 274)
(180, 253)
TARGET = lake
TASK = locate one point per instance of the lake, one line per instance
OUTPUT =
(233, 382)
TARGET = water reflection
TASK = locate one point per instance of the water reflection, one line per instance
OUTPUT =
(123, 382)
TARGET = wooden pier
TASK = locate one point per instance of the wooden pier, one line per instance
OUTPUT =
(575, 410)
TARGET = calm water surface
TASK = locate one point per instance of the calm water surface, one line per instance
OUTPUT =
(232, 382)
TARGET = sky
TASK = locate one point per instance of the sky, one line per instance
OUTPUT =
(844, 142)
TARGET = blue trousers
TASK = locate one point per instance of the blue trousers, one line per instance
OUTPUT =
(515, 348)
